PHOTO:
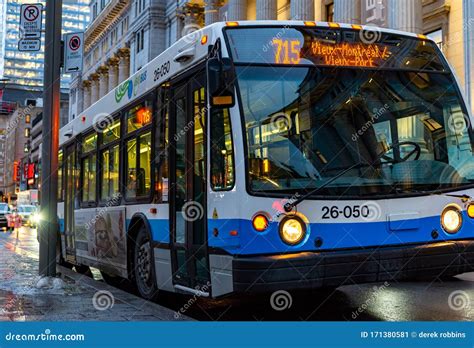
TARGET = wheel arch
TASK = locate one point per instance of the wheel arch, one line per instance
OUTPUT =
(137, 221)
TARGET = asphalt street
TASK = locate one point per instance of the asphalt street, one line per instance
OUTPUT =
(448, 299)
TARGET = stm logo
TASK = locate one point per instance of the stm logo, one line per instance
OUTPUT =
(130, 88)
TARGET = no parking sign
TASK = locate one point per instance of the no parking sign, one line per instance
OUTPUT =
(73, 52)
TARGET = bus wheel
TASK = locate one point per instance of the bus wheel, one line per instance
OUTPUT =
(144, 270)
(85, 270)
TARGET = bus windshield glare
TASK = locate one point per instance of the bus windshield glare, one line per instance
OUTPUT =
(318, 101)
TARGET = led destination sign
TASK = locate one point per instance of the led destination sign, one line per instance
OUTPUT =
(321, 53)
(331, 47)
(346, 54)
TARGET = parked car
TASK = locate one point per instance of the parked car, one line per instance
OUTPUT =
(4, 211)
(28, 215)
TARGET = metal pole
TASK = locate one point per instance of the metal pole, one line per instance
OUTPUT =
(49, 152)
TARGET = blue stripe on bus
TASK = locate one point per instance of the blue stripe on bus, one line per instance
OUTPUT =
(333, 235)
(160, 229)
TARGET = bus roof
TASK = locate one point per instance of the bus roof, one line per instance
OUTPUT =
(172, 62)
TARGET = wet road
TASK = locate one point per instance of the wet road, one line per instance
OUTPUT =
(451, 299)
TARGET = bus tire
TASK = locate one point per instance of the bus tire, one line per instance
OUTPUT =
(143, 266)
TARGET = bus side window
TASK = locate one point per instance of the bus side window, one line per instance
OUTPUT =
(60, 176)
(88, 169)
(162, 139)
(222, 151)
(131, 166)
(109, 161)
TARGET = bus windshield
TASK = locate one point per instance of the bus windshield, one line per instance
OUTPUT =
(400, 122)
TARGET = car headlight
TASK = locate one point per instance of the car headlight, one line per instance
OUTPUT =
(292, 230)
(35, 218)
(451, 219)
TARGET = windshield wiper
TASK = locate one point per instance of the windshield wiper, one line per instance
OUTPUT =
(290, 205)
(464, 197)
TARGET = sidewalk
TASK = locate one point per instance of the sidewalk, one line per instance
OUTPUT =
(75, 298)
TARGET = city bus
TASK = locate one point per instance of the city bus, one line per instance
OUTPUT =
(257, 156)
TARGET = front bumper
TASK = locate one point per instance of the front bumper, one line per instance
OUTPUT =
(336, 268)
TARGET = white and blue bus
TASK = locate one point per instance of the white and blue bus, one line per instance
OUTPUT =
(266, 155)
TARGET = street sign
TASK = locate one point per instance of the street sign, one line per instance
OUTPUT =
(31, 21)
(73, 52)
(28, 45)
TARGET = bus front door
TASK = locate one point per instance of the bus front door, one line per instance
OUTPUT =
(70, 176)
(188, 184)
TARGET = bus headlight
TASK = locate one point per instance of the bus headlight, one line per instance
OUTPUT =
(451, 219)
(292, 230)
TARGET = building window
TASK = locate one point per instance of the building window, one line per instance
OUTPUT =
(140, 40)
(437, 36)
(124, 25)
(94, 11)
(330, 12)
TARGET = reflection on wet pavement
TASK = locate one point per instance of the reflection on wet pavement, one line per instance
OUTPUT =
(21, 300)
(451, 299)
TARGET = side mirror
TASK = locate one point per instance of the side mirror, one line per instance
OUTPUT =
(221, 79)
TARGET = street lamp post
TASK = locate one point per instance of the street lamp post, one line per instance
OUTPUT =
(49, 153)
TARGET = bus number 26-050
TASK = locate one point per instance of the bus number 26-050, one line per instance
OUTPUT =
(348, 211)
(161, 71)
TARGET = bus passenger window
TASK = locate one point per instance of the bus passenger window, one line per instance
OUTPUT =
(110, 173)
(162, 136)
(88, 168)
(85, 180)
(131, 169)
(104, 192)
(222, 153)
(89, 179)
(144, 173)
(139, 116)
(60, 176)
